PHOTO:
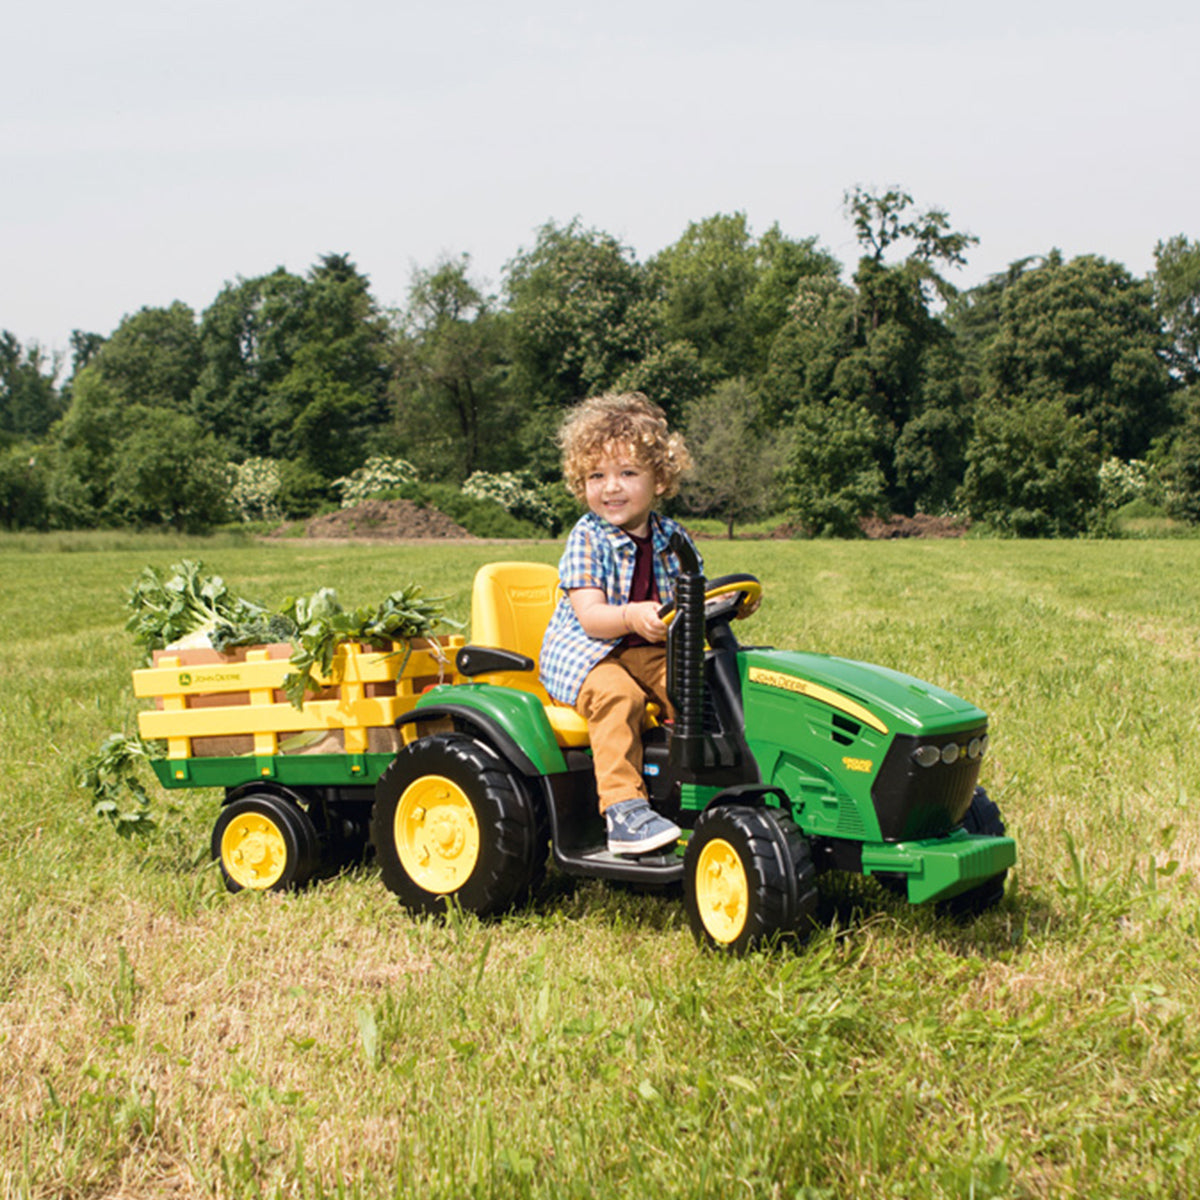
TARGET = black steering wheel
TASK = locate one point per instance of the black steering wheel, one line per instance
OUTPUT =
(725, 596)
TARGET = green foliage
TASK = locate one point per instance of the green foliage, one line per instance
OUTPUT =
(29, 402)
(724, 434)
(1176, 458)
(186, 604)
(87, 444)
(807, 349)
(1122, 483)
(168, 472)
(673, 374)
(116, 463)
(834, 479)
(578, 314)
(116, 775)
(705, 280)
(308, 373)
(726, 293)
(1083, 334)
(303, 491)
(379, 474)
(295, 368)
(1032, 470)
(880, 221)
(24, 487)
(930, 457)
(249, 337)
(1176, 283)
(452, 409)
(153, 359)
(517, 493)
(255, 493)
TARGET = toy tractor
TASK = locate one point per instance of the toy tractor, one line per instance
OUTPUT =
(466, 776)
(778, 765)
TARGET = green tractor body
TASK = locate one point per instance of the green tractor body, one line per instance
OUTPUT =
(842, 765)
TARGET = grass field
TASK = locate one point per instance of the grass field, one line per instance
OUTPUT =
(162, 1038)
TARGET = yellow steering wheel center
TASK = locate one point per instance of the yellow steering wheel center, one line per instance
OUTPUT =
(722, 893)
(254, 851)
(437, 834)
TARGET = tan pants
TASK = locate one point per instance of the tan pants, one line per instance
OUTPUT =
(613, 702)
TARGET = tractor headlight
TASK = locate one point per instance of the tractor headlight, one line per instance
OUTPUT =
(929, 755)
(926, 756)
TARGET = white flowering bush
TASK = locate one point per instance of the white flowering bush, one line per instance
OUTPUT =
(254, 490)
(515, 491)
(1123, 482)
(380, 473)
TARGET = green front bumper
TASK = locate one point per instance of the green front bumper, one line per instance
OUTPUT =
(939, 868)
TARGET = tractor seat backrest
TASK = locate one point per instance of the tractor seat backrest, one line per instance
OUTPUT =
(511, 605)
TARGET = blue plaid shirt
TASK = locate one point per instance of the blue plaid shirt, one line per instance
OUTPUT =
(598, 555)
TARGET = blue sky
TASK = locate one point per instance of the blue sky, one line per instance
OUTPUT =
(153, 150)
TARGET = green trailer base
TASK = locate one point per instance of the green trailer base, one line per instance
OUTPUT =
(297, 770)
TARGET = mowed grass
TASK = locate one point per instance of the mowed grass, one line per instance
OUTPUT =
(160, 1037)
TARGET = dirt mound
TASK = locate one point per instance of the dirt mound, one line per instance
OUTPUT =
(920, 525)
(384, 520)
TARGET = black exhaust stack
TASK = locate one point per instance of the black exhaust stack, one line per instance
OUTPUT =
(685, 661)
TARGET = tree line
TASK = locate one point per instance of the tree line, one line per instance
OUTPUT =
(1041, 403)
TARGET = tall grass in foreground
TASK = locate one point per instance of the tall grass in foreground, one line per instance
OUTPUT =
(159, 1037)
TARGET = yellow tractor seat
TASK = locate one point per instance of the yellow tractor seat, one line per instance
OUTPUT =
(511, 605)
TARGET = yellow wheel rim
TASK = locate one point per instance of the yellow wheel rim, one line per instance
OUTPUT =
(253, 851)
(722, 894)
(437, 834)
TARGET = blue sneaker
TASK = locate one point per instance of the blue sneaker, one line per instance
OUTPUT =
(635, 828)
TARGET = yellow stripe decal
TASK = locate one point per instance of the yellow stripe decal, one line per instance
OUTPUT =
(790, 683)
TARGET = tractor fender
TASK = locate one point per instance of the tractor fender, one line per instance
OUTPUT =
(512, 722)
(752, 795)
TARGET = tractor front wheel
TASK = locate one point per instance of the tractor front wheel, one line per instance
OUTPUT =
(742, 883)
(450, 819)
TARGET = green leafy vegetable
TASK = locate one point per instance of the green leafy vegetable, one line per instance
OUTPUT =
(112, 775)
(166, 608)
(322, 623)
(257, 631)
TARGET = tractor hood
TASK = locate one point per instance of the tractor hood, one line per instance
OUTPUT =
(888, 701)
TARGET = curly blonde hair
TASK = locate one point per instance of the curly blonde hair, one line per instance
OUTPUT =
(621, 421)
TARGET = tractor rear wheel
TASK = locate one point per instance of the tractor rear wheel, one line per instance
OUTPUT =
(741, 880)
(450, 819)
(265, 842)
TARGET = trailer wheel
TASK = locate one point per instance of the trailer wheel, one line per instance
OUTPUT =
(264, 842)
(740, 882)
(983, 817)
(450, 820)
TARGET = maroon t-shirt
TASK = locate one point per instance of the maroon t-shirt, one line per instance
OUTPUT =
(644, 587)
